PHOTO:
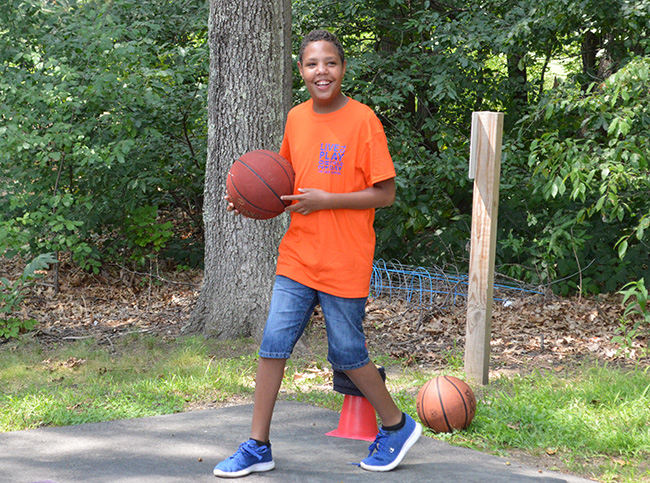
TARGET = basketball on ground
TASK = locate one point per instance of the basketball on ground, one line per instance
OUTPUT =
(445, 404)
(256, 181)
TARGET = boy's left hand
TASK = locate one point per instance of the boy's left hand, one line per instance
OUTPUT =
(309, 200)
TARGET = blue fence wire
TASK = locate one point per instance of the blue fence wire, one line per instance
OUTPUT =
(429, 287)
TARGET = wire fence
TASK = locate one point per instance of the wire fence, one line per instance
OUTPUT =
(429, 287)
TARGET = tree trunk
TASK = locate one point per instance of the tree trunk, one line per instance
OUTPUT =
(518, 77)
(248, 97)
(589, 50)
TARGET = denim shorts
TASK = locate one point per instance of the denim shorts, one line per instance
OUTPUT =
(292, 306)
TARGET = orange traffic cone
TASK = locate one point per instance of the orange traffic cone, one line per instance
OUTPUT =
(358, 420)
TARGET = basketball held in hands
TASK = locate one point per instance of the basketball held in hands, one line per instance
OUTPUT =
(257, 181)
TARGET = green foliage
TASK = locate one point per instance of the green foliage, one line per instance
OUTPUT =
(591, 162)
(13, 293)
(146, 234)
(636, 317)
(569, 140)
(103, 128)
(103, 112)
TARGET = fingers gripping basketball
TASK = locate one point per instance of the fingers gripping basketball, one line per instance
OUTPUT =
(257, 180)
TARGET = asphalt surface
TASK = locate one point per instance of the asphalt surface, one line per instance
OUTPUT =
(185, 447)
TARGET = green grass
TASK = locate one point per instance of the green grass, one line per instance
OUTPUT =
(146, 377)
(592, 415)
(592, 420)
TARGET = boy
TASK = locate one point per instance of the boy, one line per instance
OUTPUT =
(344, 171)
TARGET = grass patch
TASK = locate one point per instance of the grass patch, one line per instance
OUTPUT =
(593, 420)
(84, 382)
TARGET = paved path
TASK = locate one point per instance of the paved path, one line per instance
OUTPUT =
(185, 447)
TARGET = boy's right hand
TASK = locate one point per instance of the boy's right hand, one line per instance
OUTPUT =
(231, 206)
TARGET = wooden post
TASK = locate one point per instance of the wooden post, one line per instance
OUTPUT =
(485, 162)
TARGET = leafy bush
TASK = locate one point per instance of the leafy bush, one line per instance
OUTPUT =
(636, 317)
(574, 175)
(591, 163)
(103, 112)
(103, 128)
(13, 293)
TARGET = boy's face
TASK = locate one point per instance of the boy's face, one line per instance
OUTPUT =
(322, 70)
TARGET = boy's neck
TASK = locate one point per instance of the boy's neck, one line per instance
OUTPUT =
(338, 103)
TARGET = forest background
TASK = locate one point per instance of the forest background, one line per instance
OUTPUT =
(103, 140)
(103, 132)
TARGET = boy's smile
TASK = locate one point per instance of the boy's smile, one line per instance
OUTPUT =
(323, 71)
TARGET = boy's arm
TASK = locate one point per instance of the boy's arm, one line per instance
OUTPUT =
(310, 199)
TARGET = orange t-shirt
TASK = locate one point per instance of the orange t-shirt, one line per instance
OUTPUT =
(340, 152)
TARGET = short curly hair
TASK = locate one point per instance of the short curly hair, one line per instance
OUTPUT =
(315, 36)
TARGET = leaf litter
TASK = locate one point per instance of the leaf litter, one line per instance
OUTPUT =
(527, 331)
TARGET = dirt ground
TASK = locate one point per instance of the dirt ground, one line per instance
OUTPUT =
(528, 330)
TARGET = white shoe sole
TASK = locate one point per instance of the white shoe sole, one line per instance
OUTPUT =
(259, 467)
(415, 435)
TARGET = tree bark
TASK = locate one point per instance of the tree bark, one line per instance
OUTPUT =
(249, 96)
(518, 81)
(589, 50)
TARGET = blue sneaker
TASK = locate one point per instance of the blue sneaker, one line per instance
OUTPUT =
(249, 458)
(389, 448)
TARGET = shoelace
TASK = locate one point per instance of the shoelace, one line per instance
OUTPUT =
(245, 448)
(375, 444)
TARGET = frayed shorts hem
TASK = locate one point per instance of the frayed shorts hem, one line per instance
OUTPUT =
(274, 355)
(349, 367)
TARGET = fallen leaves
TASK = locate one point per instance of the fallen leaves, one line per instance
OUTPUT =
(528, 330)
(111, 304)
(537, 330)
(70, 363)
(313, 373)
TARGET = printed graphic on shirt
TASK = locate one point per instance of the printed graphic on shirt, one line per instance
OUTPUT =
(331, 158)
